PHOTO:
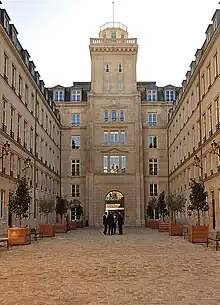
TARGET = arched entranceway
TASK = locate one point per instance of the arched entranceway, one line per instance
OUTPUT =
(114, 202)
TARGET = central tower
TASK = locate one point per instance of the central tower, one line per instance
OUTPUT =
(114, 146)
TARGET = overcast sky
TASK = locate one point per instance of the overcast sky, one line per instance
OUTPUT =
(56, 33)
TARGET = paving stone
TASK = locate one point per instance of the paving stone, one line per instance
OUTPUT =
(85, 267)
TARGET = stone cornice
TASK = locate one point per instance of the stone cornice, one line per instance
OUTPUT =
(101, 49)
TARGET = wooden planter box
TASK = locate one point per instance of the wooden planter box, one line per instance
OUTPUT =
(72, 225)
(19, 236)
(48, 230)
(153, 224)
(198, 234)
(176, 229)
(60, 228)
(164, 226)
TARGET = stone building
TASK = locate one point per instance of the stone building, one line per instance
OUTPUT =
(113, 142)
(194, 124)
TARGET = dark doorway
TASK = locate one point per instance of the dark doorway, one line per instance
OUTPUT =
(9, 213)
(213, 210)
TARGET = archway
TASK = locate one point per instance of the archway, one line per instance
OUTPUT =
(114, 202)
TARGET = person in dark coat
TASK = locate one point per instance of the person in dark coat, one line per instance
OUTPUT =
(115, 223)
(110, 220)
(105, 223)
(120, 223)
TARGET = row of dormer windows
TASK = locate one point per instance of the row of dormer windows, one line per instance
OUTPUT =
(76, 96)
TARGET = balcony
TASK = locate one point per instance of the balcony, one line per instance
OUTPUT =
(113, 25)
(115, 171)
(113, 41)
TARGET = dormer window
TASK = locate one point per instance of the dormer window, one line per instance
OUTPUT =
(119, 67)
(6, 23)
(113, 35)
(170, 95)
(76, 95)
(59, 96)
(151, 95)
(107, 68)
(208, 36)
(215, 24)
(14, 37)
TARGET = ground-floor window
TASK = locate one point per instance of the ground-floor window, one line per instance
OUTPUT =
(2, 202)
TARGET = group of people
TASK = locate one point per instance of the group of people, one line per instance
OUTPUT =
(110, 222)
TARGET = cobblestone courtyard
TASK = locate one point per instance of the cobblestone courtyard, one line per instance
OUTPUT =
(84, 267)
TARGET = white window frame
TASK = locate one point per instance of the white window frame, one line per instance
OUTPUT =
(114, 137)
(151, 95)
(169, 95)
(151, 141)
(154, 188)
(154, 163)
(75, 190)
(76, 95)
(77, 145)
(152, 119)
(76, 120)
(75, 164)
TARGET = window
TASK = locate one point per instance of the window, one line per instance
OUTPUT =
(106, 116)
(215, 59)
(114, 116)
(105, 164)
(75, 190)
(11, 164)
(106, 68)
(122, 137)
(5, 66)
(75, 167)
(153, 167)
(105, 137)
(217, 115)
(76, 95)
(210, 119)
(75, 119)
(114, 137)
(170, 95)
(152, 141)
(13, 77)
(204, 124)
(203, 85)
(59, 96)
(107, 85)
(122, 116)
(2, 203)
(153, 190)
(75, 142)
(113, 35)
(114, 164)
(18, 167)
(119, 67)
(19, 128)
(26, 94)
(20, 84)
(25, 134)
(46, 122)
(209, 75)
(151, 95)
(4, 118)
(31, 139)
(120, 85)
(12, 122)
(152, 119)
(32, 103)
(37, 110)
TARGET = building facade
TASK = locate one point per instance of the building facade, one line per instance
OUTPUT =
(114, 136)
(111, 143)
(30, 123)
(194, 125)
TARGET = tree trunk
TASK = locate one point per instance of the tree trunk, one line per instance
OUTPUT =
(198, 217)
(47, 218)
(61, 218)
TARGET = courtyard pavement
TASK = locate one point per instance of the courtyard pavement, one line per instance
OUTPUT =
(84, 267)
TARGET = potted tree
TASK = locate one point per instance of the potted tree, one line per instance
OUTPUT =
(151, 221)
(162, 208)
(19, 204)
(198, 233)
(61, 210)
(47, 207)
(176, 204)
(76, 209)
